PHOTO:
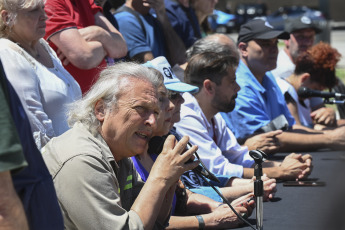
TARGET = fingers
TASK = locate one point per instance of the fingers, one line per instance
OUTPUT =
(270, 188)
(274, 133)
(294, 156)
(305, 173)
(307, 156)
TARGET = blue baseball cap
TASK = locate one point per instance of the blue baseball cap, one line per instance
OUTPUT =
(171, 82)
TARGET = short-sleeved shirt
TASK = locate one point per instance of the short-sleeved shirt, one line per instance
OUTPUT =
(66, 14)
(94, 191)
(184, 22)
(256, 104)
(140, 41)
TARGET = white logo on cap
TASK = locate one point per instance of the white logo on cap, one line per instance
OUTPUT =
(168, 72)
(305, 20)
(268, 25)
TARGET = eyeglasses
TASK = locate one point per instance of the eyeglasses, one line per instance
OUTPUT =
(173, 95)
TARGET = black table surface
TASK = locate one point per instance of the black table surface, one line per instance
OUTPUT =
(307, 208)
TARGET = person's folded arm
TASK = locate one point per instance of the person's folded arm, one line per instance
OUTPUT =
(111, 39)
(175, 46)
(78, 51)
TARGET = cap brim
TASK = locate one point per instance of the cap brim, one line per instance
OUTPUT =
(274, 34)
(181, 87)
(302, 27)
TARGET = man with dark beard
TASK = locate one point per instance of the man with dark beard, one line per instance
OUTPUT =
(214, 74)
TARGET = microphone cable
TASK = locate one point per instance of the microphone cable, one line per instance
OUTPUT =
(227, 202)
(216, 190)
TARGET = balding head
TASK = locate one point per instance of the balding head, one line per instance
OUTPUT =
(217, 43)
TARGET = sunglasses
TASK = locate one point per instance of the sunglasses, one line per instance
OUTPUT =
(173, 95)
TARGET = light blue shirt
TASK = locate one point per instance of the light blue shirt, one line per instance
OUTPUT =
(217, 145)
(256, 104)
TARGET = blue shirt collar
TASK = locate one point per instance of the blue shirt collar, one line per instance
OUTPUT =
(242, 71)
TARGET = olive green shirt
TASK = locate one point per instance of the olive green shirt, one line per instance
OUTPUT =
(93, 190)
(11, 155)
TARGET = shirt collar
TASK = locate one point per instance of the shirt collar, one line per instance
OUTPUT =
(243, 73)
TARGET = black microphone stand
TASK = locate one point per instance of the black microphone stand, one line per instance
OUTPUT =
(333, 101)
(259, 157)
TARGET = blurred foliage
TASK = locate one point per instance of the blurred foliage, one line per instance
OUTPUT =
(340, 73)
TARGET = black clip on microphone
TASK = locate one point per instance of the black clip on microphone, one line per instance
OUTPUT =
(258, 156)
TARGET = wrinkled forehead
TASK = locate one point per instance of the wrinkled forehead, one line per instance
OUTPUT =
(134, 88)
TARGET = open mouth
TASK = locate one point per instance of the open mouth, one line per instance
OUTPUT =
(144, 136)
(168, 119)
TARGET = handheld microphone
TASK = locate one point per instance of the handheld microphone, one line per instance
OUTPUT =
(306, 92)
(156, 147)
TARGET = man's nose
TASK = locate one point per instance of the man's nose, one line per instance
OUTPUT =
(151, 120)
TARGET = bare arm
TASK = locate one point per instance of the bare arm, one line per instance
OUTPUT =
(299, 140)
(113, 42)
(294, 166)
(292, 106)
(87, 47)
(266, 142)
(221, 218)
(81, 53)
(233, 192)
(175, 47)
(165, 172)
(12, 214)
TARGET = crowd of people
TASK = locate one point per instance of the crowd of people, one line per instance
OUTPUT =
(103, 111)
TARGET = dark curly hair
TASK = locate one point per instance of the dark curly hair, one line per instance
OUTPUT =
(319, 61)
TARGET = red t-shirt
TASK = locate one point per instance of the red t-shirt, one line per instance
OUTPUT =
(64, 14)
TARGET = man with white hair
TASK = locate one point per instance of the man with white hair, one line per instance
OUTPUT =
(113, 122)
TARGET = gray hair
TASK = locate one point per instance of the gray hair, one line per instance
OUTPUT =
(13, 7)
(112, 82)
(216, 43)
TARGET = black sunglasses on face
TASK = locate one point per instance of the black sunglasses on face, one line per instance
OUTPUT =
(173, 95)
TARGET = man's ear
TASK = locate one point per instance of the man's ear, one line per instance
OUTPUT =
(304, 77)
(100, 110)
(209, 87)
(242, 47)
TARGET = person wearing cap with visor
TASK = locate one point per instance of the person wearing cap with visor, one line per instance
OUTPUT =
(191, 180)
(185, 202)
(260, 105)
(302, 36)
